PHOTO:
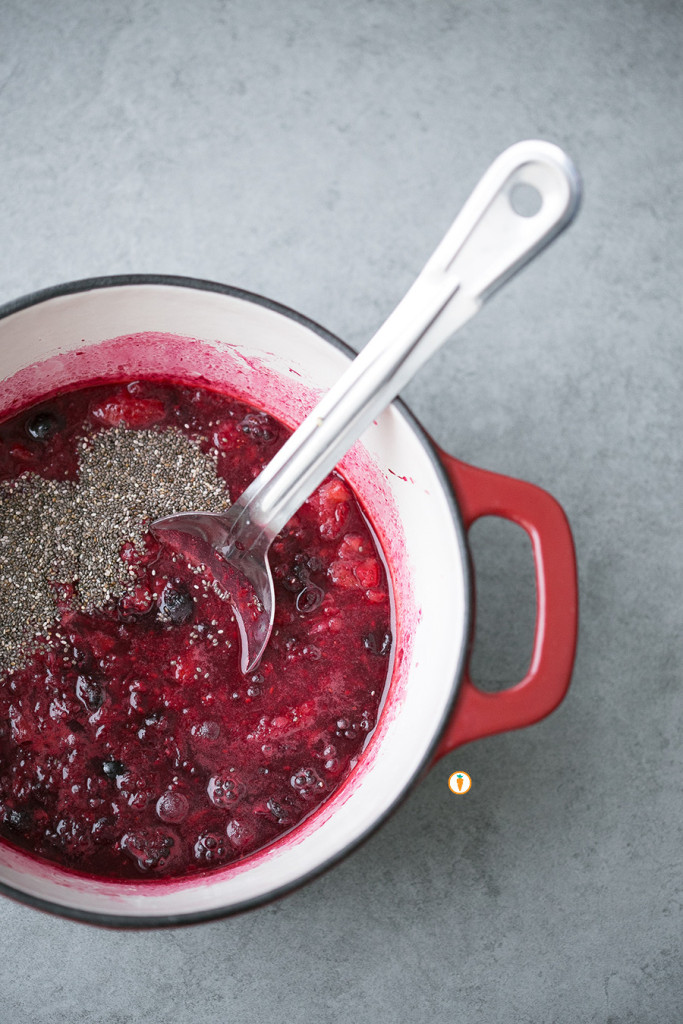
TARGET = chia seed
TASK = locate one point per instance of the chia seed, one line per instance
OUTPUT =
(60, 540)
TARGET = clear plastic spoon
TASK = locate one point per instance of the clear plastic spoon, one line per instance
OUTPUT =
(529, 194)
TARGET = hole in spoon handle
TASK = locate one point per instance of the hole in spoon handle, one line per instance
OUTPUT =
(529, 194)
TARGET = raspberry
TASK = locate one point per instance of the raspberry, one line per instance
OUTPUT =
(138, 602)
(332, 502)
(352, 547)
(226, 437)
(332, 525)
(100, 643)
(367, 573)
(342, 575)
(126, 410)
(333, 491)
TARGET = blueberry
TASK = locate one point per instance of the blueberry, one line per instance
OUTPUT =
(292, 583)
(258, 426)
(280, 813)
(113, 768)
(177, 605)
(378, 643)
(44, 425)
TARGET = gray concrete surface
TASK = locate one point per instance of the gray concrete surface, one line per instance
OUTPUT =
(315, 152)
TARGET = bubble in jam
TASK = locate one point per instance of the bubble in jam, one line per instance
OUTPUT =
(172, 807)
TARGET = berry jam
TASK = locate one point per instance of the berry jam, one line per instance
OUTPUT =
(131, 746)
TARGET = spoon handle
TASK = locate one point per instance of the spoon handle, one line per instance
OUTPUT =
(493, 236)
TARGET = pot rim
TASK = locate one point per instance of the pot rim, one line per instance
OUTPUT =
(176, 920)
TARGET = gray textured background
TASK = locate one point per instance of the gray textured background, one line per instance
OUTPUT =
(316, 152)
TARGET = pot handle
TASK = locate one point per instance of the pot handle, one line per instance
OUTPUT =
(478, 714)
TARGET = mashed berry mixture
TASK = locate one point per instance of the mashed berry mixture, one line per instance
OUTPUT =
(131, 746)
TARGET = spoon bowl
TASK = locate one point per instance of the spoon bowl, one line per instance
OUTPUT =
(239, 572)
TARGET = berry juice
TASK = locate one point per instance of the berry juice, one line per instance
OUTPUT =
(131, 746)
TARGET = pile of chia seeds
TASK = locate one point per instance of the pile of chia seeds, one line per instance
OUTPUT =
(57, 534)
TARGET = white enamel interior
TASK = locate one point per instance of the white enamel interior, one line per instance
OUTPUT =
(280, 364)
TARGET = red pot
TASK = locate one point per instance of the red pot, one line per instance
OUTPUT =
(421, 502)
